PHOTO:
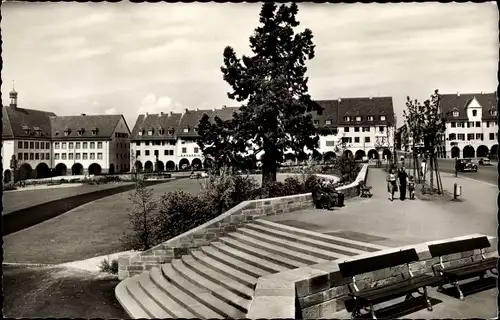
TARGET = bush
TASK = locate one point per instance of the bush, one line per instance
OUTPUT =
(293, 185)
(9, 187)
(110, 268)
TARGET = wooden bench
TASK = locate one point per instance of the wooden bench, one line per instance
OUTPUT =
(452, 275)
(369, 297)
(364, 190)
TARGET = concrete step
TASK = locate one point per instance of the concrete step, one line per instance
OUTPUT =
(266, 243)
(201, 301)
(149, 305)
(364, 246)
(218, 255)
(315, 248)
(216, 290)
(193, 308)
(159, 309)
(218, 278)
(133, 309)
(257, 257)
(235, 274)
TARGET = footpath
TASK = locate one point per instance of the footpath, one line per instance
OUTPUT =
(395, 223)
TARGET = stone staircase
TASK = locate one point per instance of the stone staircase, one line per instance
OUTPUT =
(218, 281)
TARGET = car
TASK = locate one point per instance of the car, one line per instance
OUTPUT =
(466, 165)
(484, 161)
(365, 160)
(196, 175)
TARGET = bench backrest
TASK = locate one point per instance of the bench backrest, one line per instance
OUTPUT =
(360, 266)
(442, 249)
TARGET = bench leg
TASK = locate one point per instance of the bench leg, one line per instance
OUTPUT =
(429, 304)
(372, 311)
(355, 311)
(409, 296)
(461, 295)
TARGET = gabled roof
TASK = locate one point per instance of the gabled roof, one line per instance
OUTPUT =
(450, 101)
(105, 125)
(15, 121)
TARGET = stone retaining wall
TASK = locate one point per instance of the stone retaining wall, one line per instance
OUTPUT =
(319, 290)
(227, 222)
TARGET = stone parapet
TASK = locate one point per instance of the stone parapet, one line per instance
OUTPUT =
(218, 227)
(319, 290)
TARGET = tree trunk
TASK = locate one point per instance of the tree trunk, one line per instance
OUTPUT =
(438, 178)
(268, 168)
(431, 168)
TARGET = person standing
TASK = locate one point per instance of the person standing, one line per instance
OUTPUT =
(391, 184)
(423, 169)
(403, 179)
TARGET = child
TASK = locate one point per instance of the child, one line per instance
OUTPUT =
(391, 184)
(411, 187)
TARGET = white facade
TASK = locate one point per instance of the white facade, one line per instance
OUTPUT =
(471, 138)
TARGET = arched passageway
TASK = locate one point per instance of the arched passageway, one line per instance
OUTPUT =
(61, 169)
(455, 152)
(184, 164)
(160, 166)
(469, 152)
(387, 154)
(148, 166)
(372, 154)
(359, 154)
(95, 168)
(170, 165)
(482, 151)
(42, 170)
(196, 163)
(25, 172)
(77, 169)
(7, 176)
(348, 153)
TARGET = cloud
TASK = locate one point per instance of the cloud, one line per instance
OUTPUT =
(81, 54)
(111, 111)
(153, 104)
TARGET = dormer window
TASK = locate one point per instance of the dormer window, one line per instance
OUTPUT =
(493, 112)
(81, 131)
(67, 132)
(26, 130)
(171, 131)
(186, 129)
(140, 132)
(328, 121)
(316, 122)
(358, 118)
(95, 131)
(195, 129)
(370, 118)
(150, 132)
(382, 118)
(161, 131)
(455, 113)
(38, 131)
(474, 113)
(347, 118)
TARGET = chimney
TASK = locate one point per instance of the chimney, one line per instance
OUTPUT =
(339, 99)
(371, 98)
(458, 94)
(83, 114)
(161, 114)
(482, 92)
(224, 106)
(171, 112)
(147, 114)
(185, 111)
(197, 109)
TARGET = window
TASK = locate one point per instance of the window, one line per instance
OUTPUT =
(328, 121)
(63, 145)
(67, 132)
(165, 152)
(381, 129)
(70, 145)
(150, 132)
(25, 144)
(92, 156)
(493, 112)
(184, 150)
(78, 156)
(32, 145)
(37, 156)
(187, 129)
(77, 145)
(138, 143)
(366, 129)
(453, 124)
(42, 145)
(356, 139)
(140, 132)
(356, 129)
(37, 145)
(32, 156)
(157, 143)
(147, 152)
(161, 131)
(470, 136)
(469, 124)
(452, 137)
(358, 118)
(63, 156)
(20, 145)
(81, 131)
(99, 145)
(156, 153)
(171, 152)
(20, 156)
(478, 124)
(330, 143)
(95, 131)
(85, 156)
(461, 136)
(455, 113)
(85, 145)
(370, 118)
(70, 156)
(195, 150)
(117, 155)
(382, 118)
(479, 136)
(56, 145)
(474, 113)
(47, 156)
(346, 139)
(347, 118)
(146, 143)
(137, 153)
(367, 139)
(171, 132)
(25, 156)
(47, 145)
(492, 136)
(346, 129)
(99, 156)
(92, 145)
(56, 156)
(462, 124)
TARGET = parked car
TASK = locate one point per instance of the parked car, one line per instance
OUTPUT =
(365, 160)
(484, 161)
(195, 175)
(466, 165)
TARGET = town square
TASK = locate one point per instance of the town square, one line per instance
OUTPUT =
(253, 160)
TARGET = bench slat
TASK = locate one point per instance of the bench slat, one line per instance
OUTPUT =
(442, 249)
(360, 266)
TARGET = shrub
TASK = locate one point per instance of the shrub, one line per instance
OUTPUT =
(293, 185)
(9, 187)
(272, 190)
(347, 168)
(109, 267)
(310, 183)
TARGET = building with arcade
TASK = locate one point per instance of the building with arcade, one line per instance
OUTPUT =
(40, 144)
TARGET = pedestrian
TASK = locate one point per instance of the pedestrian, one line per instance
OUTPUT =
(391, 184)
(403, 179)
(411, 187)
(423, 168)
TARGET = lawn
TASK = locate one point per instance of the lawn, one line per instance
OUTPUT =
(90, 230)
(17, 200)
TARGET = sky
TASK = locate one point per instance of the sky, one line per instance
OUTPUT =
(126, 58)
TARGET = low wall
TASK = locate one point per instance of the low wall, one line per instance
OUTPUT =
(227, 222)
(319, 290)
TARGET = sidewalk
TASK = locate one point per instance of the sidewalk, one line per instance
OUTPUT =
(398, 222)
